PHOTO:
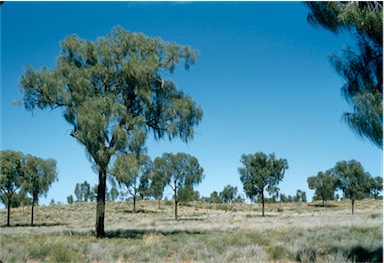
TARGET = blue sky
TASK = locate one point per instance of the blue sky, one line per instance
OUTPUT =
(262, 77)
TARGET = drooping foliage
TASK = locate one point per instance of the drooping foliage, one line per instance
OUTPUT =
(112, 88)
(361, 69)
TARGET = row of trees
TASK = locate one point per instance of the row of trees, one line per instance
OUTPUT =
(350, 178)
(22, 175)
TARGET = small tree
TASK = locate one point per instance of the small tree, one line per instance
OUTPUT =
(12, 176)
(39, 175)
(353, 180)
(228, 194)
(114, 194)
(157, 185)
(70, 199)
(261, 171)
(324, 184)
(179, 170)
(128, 171)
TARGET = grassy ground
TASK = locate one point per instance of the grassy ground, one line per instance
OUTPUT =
(204, 233)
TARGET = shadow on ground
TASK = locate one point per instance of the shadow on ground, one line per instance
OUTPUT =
(34, 225)
(138, 234)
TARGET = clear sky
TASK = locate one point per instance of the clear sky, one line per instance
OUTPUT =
(262, 77)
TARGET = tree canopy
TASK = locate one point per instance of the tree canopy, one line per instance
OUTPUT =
(39, 175)
(179, 171)
(261, 171)
(362, 70)
(110, 89)
(324, 184)
(353, 180)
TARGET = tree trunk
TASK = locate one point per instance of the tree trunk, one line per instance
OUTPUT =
(353, 205)
(100, 206)
(262, 201)
(33, 205)
(134, 200)
(176, 208)
(9, 212)
(159, 203)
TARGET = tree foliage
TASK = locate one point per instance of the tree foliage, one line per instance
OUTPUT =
(228, 195)
(110, 89)
(362, 70)
(128, 171)
(353, 180)
(261, 171)
(12, 176)
(180, 171)
(39, 176)
(324, 184)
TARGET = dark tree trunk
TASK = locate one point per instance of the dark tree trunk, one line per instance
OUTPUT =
(100, 206)
(353, 206)
(175, 200)
(33, 205)
(9, 211)
(262, 201)
(134, 200)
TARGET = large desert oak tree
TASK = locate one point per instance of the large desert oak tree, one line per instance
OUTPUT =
(361, 67)
(111, 88)
(259, 172)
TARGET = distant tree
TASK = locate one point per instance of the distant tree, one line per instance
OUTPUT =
(362, 70)
(128, 171)
(111, 87)
(228, 194)
(353, 180)
(283, 198)
(324, 184)
(214, 198)
(188, 194)
(12, 177)
(114, 194)
(157, 185)
(259, 172)
(179, 170)
(78, 193)
(39, 176)
(303, 197)
(273, 191)
(83, 192)
(70, 199)
(376, 186)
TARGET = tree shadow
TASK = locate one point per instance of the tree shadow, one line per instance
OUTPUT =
(34, 225)
(139, 211)
(361, 254)
(138, 234)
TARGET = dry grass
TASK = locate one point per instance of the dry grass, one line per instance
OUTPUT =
(204, 233)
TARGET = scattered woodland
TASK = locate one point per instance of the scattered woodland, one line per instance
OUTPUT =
(116, 92)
